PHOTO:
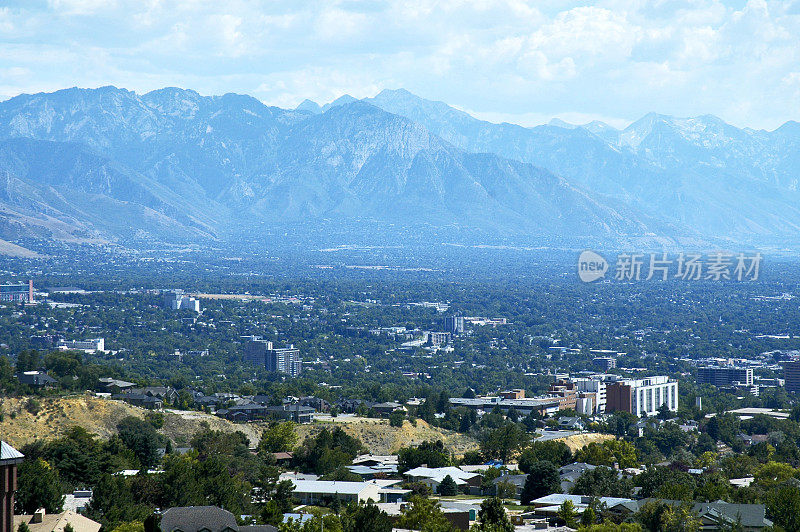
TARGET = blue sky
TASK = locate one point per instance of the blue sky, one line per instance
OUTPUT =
(512, 60)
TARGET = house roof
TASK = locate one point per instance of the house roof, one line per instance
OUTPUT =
(331, 486)
(9, 455)
(57, 522)
(197, 518)
(751, 515)
(108, 381)
(437, 474)
(557, 499)
(517, 480)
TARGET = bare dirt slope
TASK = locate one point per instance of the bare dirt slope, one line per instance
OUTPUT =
(100, 416)
(56, 415)
(578, 441)
(381, 438)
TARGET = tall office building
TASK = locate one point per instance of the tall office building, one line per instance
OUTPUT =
(725, 376)
(20, 292)
(791, 372)
(177, 300)
(282, 359)
(454, 324)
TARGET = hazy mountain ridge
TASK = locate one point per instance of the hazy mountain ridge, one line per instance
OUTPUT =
(696, 173)
(172, 164)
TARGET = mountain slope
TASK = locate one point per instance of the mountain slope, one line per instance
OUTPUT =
(700, 174)
(177, 166)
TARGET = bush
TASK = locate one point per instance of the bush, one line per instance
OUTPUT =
(396, 418)
(33, 406)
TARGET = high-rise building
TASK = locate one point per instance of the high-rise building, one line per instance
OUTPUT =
(20, 292)
(791, 373)
(725, 376)
(454, 324)
(642, 397)
(282, 360)
(605, 363)
(177, 300)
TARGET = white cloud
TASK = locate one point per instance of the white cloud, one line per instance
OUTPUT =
(615, 59)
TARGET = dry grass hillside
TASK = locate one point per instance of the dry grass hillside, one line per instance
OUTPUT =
(382, 438)
(100, 416)
(579, 441)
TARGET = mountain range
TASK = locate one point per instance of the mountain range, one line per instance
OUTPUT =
(171, 165)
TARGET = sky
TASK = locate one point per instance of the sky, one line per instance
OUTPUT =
(503, 60)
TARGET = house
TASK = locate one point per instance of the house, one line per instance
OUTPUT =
(296, 413)
(369, 465)
(432, 477)
(384, 409)
(349, 406)
(41, 521)
(243, 413)
(518, 481)
(315, 491)
(262, 399)
(77, 500)
(141, 400)
(715, 515)
(165, 393)
(570, 473)
(205, 519)
(36, 379)
(549, 505)
(459, 517)
(571, 423)
(113, 386)
(318, 404)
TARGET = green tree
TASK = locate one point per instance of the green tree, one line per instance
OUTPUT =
(783, 504)
(38, 486)
(493, 517)
(543, 479)
(602, 482)
(593, 512)
(663, 481)
(431, 453)
(425, 515)
(608, 453)
(327, 451)
(141, 438)
(553, 451)
(366, 517)
(659, 516)
(396, 418)
(133, 526)
(568, 514)
(448, 486)
(504, 441)
(278, 438)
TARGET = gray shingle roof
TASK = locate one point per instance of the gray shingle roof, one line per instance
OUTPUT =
(197, 518)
